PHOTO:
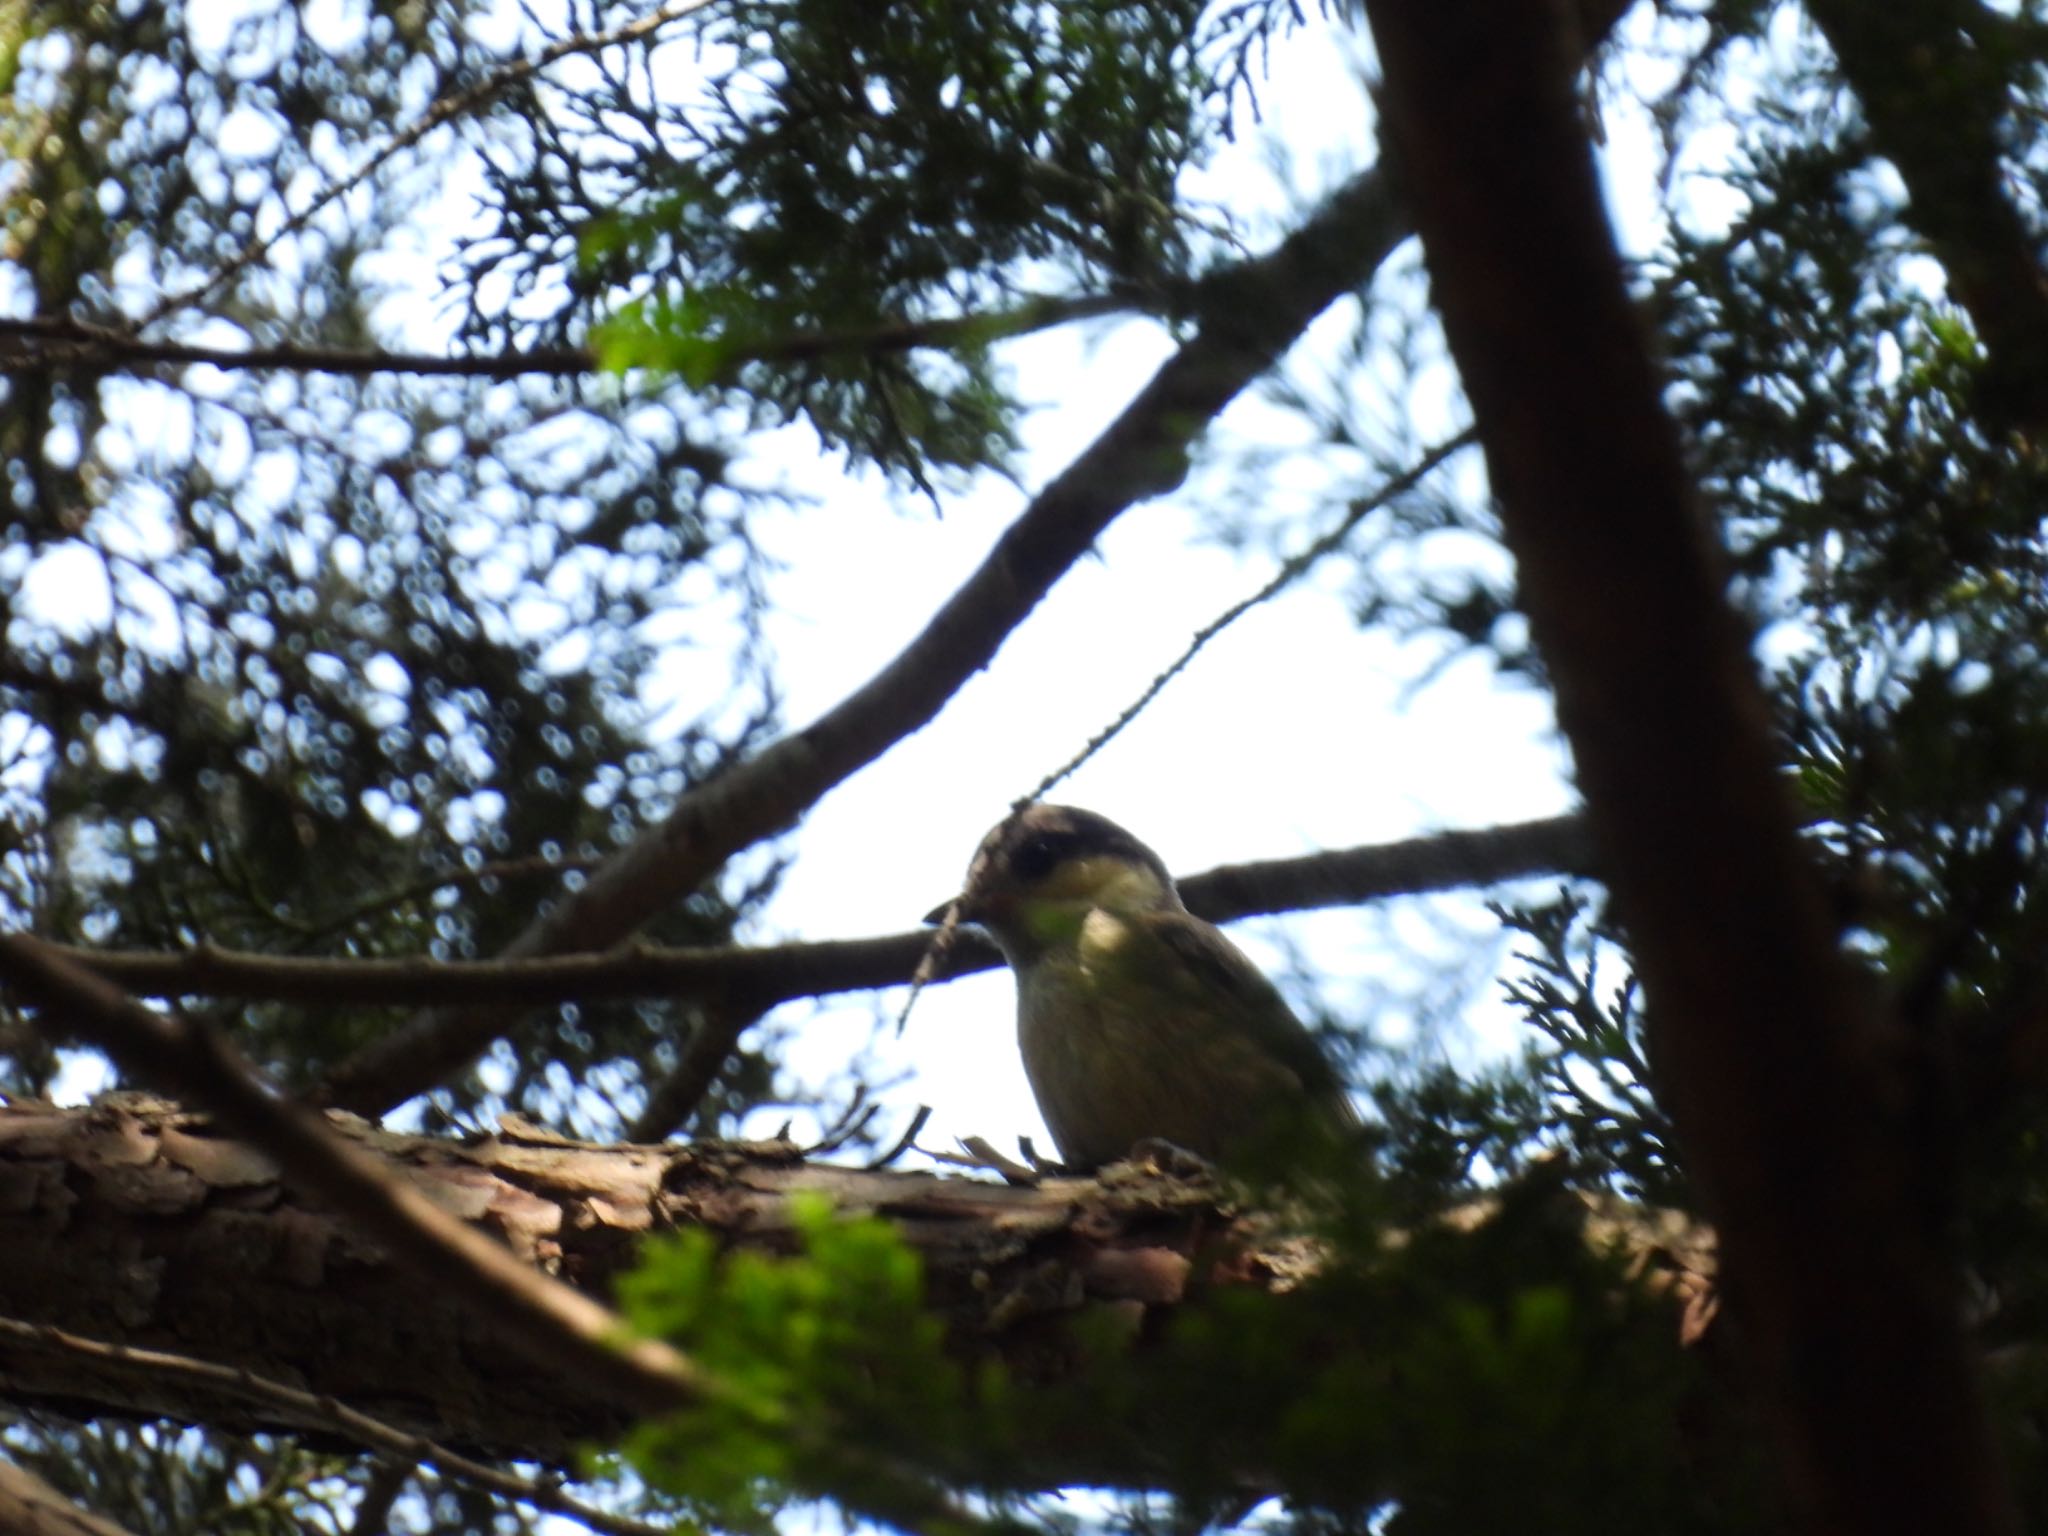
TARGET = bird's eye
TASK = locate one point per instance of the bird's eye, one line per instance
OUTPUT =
(1034, 858)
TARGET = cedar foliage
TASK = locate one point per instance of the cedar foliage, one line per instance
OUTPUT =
(351, 664)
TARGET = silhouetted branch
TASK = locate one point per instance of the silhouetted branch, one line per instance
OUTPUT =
(1291, 570)
(338, 1419)
(676, 1097)
(738, 984)
(41, 343)
(1792, 1107)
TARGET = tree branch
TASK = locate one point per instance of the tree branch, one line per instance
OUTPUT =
(545, 1321)
(742, 983)
(1784, 1093)
(31, 1507)
(310, 1409)
(540, 1318)
(676, 1097)
(1250, 314)
(146, 1226)
(43, 343)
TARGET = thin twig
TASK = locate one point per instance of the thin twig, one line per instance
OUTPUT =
(1291, 571)
(80, 343)
(443, 110)
(314, 1410)
(734, 985)
(906, 1141)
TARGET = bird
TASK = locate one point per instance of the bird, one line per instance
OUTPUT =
(1139, 1023)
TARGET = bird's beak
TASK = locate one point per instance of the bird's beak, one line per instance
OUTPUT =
(937, 915)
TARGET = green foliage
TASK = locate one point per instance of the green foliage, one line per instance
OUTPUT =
(1410, 1359)
(831, 1347)
(1413, 1358)
(1440, 1129)
(346, 667)
(834, 173)
(1595, 1073)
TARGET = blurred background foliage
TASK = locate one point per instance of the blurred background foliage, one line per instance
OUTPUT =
(358, 663)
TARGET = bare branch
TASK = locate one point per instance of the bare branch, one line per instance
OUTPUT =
(311, 1408)
(737, 984)
(676, 1097)
(1291, 571)
(138, 1223)
(31, 1507)
(1790, 1102)
(550, 1323)
(44, 343)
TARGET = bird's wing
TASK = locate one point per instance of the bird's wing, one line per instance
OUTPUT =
(1213, 972)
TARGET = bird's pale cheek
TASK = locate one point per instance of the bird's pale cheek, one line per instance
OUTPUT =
(1104, 936)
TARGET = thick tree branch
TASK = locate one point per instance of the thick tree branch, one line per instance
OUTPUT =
(542, 1320)
(746, 982)
(539, 1318)
(1932, 82)
(1788, 1109)
(144, 1226)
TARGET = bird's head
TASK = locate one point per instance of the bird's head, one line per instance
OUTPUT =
(1042, 870)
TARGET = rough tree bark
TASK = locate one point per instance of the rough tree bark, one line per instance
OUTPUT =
(136, 1222)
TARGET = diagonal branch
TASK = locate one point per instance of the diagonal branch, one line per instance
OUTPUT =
(549, 1322)
(1291, 570)
(339, 1418)
(1789, 1101)
(553, 1324)
(1251, 313)
(740, 983)
(675, 1098)
(31, 1507)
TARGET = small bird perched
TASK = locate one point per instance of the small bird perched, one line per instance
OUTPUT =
(1137, 1020)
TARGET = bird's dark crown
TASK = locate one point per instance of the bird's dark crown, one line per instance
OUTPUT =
(1026, 847)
